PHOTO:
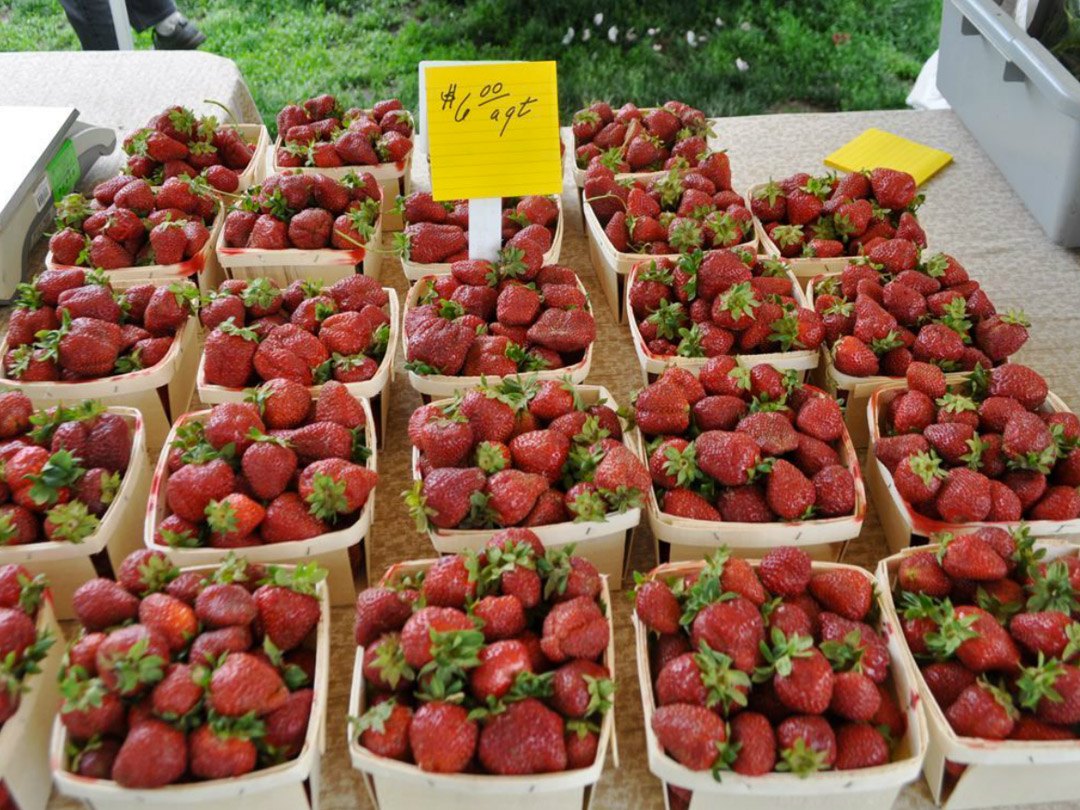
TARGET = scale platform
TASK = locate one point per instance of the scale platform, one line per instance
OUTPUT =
(46, 155)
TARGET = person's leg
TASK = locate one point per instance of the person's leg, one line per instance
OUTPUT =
(172, 30)
(93, 24)
(146, 13)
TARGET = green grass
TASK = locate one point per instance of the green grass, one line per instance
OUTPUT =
(827, 54)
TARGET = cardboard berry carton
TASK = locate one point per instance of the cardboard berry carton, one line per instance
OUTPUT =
(747, 458)
(177, 142)
(667, 214)
(998, 737)
(492, 320)
(930, 310)
(849, 665)
(307, 227)
(750, 307)
(994, 450)
(240, 650)
(321, 136)
(567, 698)
(638, 140)
(346, 331)
(552, 456)
(136, 232)
(30, 690)
(819, 221)
(437, 233)
(77, 478)
(280, 480)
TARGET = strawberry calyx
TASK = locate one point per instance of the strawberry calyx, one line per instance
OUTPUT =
(302, 578)
(294, 676)
(71, 522)
(453, 652)
(587, 506)
(787, 235)
(79, 692)
(927, 465)
(245, 727)
(229, 327)
(1051, 589)
(417, 506)
(390, 662)
(780, 653)
(668, 317)
(374, 719)
(327, 500)
(136, 666)
(61, 470)
(802, 759)
(725, 685)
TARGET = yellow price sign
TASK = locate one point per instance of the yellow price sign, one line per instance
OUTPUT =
(493, 130)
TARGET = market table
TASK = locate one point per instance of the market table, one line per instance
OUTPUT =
(970, 212)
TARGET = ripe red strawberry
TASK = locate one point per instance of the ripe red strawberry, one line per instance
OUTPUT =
(268, 468)
(689, 734)
(734, 628)
(379, 610)
(843, 591)
(442, 737)
(244, 683)
(790, 494)
(657, 606)
(855, 697)
(1019, 382)
(288, 518)
(964, 497)
(806, 744)
(153, 754)
(500, 664)
(785, 571)
(101, 603)
(982, 710)
(991, 648)
(860, 745)
(575, 629)
(922, 573)
(225, 605)
(527, 738)
(969, 557)
(688, 504)
(854, 358)
(728, 457)
(191, 488)
(821, 418)
(288, 608)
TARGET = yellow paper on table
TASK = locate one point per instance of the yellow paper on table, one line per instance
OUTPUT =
(875, 148)
(493, 130)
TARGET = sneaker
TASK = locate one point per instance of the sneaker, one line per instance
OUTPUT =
(184, 37)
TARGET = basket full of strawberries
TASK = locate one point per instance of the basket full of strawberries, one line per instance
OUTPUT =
(510, 703)
(748, 458)
(817, 221)
(774, 681)
(437, 233)
(553, 456)
(988, 624)
(195, 687)
(494, 320)
(281, 477)
(135, 231)
(717, 303)
(997, 448)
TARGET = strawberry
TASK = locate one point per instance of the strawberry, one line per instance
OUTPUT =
(288, 519)
(543, 452)
(988, 647)
(153, 754)
(657, 606)
(806, 744)
(1019, 382)
(734, 628)
(287, 606)
(785, 571)
(1052, 689)
(821, 418)
(442, 737)
(982, 710)
(969, 557)
(860, 745)
(922, 573)
(855, 358)
(191, 488)
(893, 189)
(575, 629)
(379, 610)
(244, 683)
(789, 493)
(964, 497)
(169, 617)
(689, 734)
(512, 494)
(752, 747)
(131, 658)
(855, 697)
(730, 458)
(843, 591)
(527, 738)
(101, 603)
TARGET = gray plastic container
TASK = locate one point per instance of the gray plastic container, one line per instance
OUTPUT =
(1022, 106)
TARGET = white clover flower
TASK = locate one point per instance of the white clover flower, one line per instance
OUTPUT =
(719, 22)
(613, 34)
(653, 32)
(598, 18)
(691, 39)
(745, 25)
(631, 35)
(586, 35)
(568, 37)
(658, 47)
(741, 65)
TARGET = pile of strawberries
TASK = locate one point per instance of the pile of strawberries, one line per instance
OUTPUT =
(720, 302)
(678, 212)
(306, 212)
(177, 143)
(990, 623)
(305, 334)
(274, 469)
(744, 445)
(439, 231)
(635, 140)
(520, 453)
(499, 318)
(825, 217)
(889, 308)
(22, 645)
(62, 469)
(129, 223)
(986, 450)
(70, 325)
(320, 133)
(189, 676)
(773, 668)
(515, 686)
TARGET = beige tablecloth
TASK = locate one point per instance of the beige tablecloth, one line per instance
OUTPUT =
(970, 212)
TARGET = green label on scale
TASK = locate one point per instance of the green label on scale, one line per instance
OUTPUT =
(63, 170)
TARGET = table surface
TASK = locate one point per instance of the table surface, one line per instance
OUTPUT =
(970, 212)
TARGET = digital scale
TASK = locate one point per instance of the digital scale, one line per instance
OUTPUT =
(46, 150)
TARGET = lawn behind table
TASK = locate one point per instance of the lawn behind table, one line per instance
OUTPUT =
(727, 58)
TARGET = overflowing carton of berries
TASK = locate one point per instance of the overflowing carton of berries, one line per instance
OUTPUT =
(495, 319)
(718, 303)
(178, 143)
(783, 665)
(680, 211)
(304, 212)
(988, 619)
(996, 448)
(278, 469)
(521, 453)
(520, 685)
(747, 446)
(893, 306)
(70, 325)
(206, 674)
(437, 233)
(321, 133)
(129, 223)
(306, 334)
(634, 139)
(827, 217)
(27, 633)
